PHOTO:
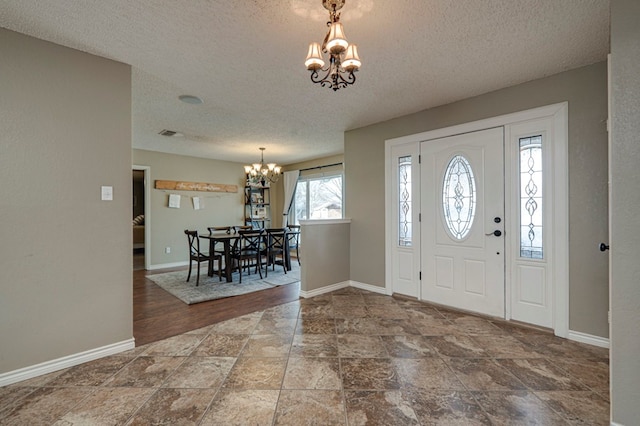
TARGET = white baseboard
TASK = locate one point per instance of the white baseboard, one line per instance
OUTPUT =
(338, 286)
(323, 290)
(616, 424)
(369, 287)
(65, 362)
(588, 339)
(168, 265)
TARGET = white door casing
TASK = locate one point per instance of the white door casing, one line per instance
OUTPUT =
(463, 249)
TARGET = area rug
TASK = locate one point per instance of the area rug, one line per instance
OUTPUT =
(212, 288)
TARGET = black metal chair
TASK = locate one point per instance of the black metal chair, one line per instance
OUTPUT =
(293, 235)
(197, 255)
(247, 251)
(275, 246)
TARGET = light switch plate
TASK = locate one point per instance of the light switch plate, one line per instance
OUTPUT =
(107, 193)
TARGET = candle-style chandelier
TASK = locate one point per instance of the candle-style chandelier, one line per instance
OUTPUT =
(261, 173)
(343, 57)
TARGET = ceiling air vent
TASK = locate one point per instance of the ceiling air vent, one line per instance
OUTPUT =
(166, 132)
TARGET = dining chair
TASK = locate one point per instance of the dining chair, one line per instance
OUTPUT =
(217, 249)
(247, 248)
(226, 229)
(294, 239)
(275, 246)
(197, 255)
(243, 227)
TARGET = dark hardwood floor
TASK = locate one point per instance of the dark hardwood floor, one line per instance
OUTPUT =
(158, 315)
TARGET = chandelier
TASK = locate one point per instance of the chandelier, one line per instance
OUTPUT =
(261, 173)
(343, 57)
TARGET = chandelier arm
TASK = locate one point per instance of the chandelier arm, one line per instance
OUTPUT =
(335, 81)
(315, 77)
(351, 77)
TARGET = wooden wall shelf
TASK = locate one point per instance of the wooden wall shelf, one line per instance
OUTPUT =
(174, 185)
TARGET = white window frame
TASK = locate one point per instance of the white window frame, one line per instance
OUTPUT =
(305, 180)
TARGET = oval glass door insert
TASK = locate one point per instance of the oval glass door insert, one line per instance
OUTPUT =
(459, 197)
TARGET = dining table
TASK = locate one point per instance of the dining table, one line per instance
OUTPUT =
(287, 257)
(227, 239)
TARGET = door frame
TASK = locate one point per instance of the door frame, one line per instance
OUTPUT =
(558, 113)
(147, 214)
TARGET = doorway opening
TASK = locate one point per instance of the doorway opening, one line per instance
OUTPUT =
(140, 217)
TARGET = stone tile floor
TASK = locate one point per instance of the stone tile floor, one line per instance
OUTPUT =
(350, 357)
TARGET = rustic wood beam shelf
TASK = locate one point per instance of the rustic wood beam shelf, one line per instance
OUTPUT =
(174, 185)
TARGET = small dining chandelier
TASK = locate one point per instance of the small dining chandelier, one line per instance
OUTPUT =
(261, 173)
(343, 57)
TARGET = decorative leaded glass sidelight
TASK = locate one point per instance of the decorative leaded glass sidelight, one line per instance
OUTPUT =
(459, 197)
(404, 201)
(531, 197)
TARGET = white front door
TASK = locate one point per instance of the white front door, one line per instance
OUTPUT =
(462, 204)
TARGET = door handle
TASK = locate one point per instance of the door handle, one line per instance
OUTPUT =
(604, 247)
(495, 233)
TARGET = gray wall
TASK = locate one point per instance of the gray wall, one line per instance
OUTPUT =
(625, 200)
(167, 225)
(586, 91)
(325, 255)
(65, 255)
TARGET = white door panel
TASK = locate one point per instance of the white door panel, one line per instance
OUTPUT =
(532, 226)
(463, 261)
(403, 229)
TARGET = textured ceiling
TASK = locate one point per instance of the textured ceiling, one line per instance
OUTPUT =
(244, 58)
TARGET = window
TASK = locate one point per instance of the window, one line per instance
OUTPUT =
(531, 197)
(404, 201)
(318, 197)
(459, 197)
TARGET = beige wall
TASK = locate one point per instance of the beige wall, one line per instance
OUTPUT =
(65, 255)
(586, 91)
(625, 201)
(166, 224)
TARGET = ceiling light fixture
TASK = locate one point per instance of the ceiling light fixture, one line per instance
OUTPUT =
(261, 173)
(343, 57)
(170, 133)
